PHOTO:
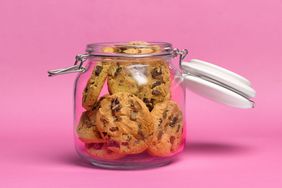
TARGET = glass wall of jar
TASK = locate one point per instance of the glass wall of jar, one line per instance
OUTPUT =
(129, 108)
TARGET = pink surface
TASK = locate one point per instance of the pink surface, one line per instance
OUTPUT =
(227, 147)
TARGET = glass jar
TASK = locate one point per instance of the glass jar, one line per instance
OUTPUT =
(129, 103)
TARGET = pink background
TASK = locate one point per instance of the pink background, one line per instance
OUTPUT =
(227, 147)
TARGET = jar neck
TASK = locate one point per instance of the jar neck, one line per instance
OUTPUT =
(130, 49)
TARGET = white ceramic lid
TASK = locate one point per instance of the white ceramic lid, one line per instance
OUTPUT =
(217, 84)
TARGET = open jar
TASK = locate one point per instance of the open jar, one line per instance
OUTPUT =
(129, 102)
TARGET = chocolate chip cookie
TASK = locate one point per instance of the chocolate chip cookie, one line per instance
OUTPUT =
(100, 151)
(125, 123)
(121, 78)
(95, 84)
(87, 130)
(148, 79)
(141, 47)
(132, 48)
(168, 129)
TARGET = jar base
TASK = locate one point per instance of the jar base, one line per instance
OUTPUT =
(130, 162)
(130, 166)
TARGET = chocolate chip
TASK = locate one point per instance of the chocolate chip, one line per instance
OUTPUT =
(118, 70)
(115, 105)
(150, 106)
(149, 103)
(113, 129)
(133, 116)
(116, 118)
(172, 139)
(173, 121)
(104, 134)
(115, 101)
(86, 89)
(125, 143)
(126, 137)
(178, 128)
(105, 121)
(97, 146)
(88, 145)
(165, 114)
(160, 122)
(157, 83)
(109, 151)
(146, 100)
(156, 72)
(121, 49)
(160, 134)
(135, 106)
(98, 70)
(156, 92)
(96, 106)
(140, 133)
(88, 125)
(112, 143)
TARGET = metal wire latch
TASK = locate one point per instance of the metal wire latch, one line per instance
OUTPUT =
(182, 54)
(77, 67)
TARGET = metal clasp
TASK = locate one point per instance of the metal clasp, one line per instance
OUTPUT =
(182, 54)
(77, 67)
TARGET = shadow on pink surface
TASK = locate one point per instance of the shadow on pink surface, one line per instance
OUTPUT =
(215, 148)
(205, 149)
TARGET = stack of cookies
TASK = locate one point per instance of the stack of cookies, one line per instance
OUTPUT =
(136, 116)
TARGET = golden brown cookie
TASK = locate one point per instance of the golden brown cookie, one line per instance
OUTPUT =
(158, 88)
(148, 79)
(121, 79)
(100, 151)
(125, 123)
(140, 47)
(138, 43)
(87, 130)
(168, 129)
(95, 84)
(132, 48)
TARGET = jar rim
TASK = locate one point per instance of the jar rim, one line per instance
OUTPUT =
(135, 49)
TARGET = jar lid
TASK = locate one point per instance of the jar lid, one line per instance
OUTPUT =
(134, 49)
(217, 84)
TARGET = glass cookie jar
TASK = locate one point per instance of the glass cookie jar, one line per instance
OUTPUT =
(129, 102)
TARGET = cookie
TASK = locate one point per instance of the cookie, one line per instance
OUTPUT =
(136, 43)
(121, 79)
(132, 48)
(148, 79)
(125, 123)
(158, 88)
(168, 129)
(100, 151)
(95, 85)
(87, 130)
